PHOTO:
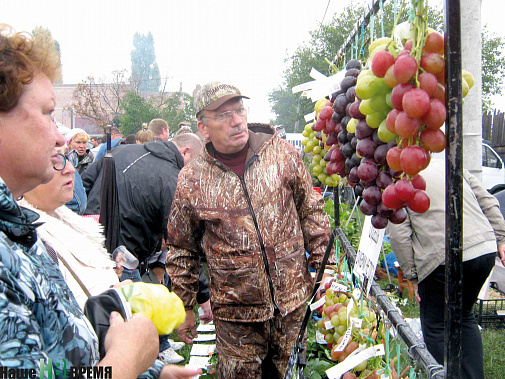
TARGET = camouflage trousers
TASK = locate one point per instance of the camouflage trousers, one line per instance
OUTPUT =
(256, 349)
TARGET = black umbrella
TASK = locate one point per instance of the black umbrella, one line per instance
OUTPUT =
(109, 205)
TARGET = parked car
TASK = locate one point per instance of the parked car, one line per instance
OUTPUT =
(493, 168)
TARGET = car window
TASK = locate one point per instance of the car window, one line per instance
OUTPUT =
(489, 158)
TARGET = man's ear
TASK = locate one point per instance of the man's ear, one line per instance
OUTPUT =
(184, 150)
(202, 128)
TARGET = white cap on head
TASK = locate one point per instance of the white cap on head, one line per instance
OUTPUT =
(72, 133)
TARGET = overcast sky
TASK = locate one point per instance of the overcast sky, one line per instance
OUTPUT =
(240, 42)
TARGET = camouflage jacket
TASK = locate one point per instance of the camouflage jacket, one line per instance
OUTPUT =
(229, 218)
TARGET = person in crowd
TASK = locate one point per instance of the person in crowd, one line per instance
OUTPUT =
(116, 137)
(144, 135)
(42, 323)
(419, 246)
(79, 200)
(130, 139)
(75, 243)
(94, 141)
(160, 129)
(95, 149)
(77, 139)
(247, 203)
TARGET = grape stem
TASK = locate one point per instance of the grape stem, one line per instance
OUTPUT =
(420, 28)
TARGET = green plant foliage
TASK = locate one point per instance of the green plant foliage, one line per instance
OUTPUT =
(493, 67)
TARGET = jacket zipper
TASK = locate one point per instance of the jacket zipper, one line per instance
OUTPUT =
(262, 246)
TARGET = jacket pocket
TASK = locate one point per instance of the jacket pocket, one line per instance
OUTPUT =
(234, 281)
(292, 268)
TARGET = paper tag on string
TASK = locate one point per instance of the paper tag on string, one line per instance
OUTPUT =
(350, 362)
(318, 303)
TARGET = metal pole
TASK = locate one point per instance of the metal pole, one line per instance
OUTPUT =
(336, 206)
(454, 186)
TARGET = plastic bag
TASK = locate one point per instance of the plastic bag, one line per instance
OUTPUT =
(164, 308)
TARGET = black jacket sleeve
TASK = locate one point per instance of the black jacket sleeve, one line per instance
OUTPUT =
(203, 288)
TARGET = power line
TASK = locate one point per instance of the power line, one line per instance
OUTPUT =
(327, 6)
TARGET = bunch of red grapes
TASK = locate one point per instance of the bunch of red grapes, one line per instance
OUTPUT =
(418, 113)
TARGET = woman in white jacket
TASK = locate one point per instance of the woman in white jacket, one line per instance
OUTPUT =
(74, 242)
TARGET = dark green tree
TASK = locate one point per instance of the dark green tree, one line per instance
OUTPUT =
(137, 110)
(493, 67)
(145, 72)
(175, 108)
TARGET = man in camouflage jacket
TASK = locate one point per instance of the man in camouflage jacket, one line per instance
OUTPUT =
(247, 203)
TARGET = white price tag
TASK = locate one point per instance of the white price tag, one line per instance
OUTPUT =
(318, 303)
(314, 74)
(339, 287)
(328, 325)
(357, 293)
(320, 338)
(345, 340)
(303, 86)
(348, 364)
(356, 322)
(310, 117)
(349, 307)
(368, 254)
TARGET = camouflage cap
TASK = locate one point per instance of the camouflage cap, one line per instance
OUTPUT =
(214, 94)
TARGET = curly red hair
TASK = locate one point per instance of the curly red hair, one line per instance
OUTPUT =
(21, 57)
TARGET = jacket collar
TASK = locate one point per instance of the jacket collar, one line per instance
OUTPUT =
(15, 221)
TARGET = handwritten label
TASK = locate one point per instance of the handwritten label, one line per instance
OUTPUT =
(348, 364)
(368, 254)
(336, 287)
(345, 340)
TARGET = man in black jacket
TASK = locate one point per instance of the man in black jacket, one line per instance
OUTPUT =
(146, 178)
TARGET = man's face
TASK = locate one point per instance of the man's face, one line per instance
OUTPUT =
(94, 142)
(165, 134)
(229, 136)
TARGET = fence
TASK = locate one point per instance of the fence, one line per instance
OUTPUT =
(493, 125)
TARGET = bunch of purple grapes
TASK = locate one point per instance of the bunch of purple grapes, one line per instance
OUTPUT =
(342, 155)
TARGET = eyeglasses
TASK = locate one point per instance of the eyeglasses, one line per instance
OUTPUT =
(227, 116)
(71, 156)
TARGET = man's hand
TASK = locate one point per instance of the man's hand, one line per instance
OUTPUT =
(501, 251)
(187, 331)
(207, 312)
(178, 372)
(119, 267)
(159, 272)
(130, 346)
